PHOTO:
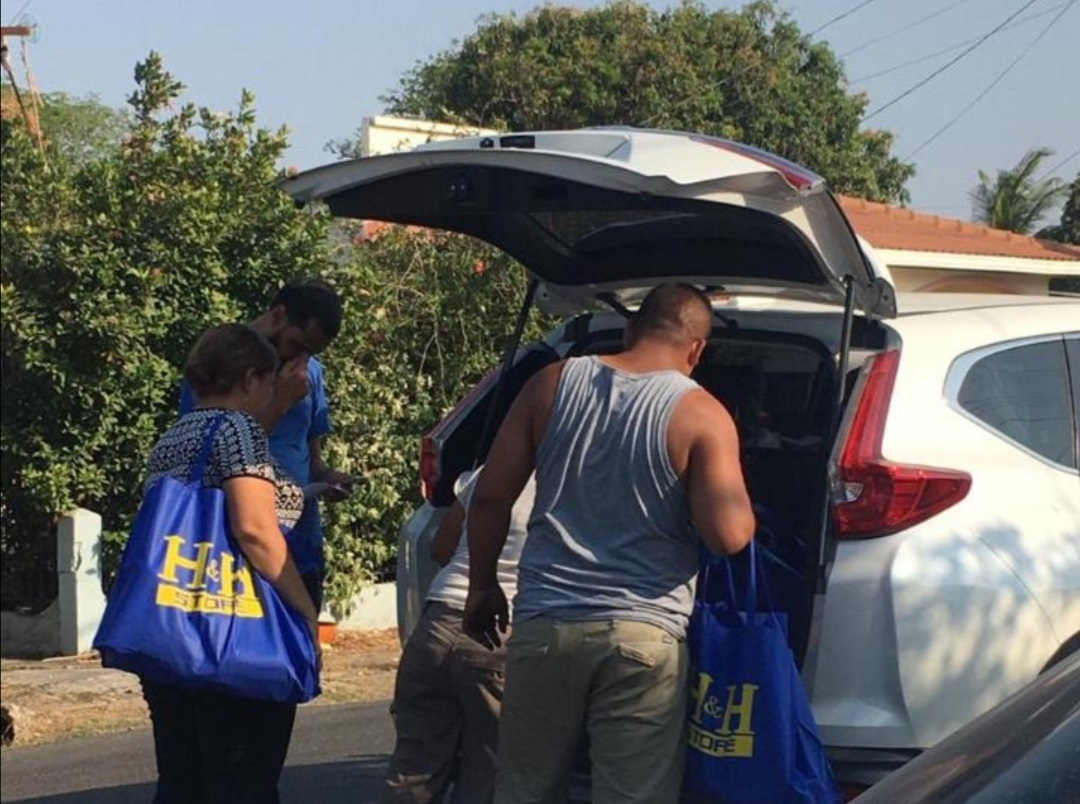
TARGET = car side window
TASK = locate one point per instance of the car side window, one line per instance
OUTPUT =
(1024, 393)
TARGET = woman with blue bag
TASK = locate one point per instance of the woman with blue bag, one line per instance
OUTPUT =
(208, 608)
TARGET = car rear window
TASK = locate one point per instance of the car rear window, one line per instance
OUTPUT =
(1023, 393)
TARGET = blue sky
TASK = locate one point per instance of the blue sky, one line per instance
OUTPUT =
(320, 66)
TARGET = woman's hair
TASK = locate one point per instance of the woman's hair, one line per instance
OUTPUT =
(223, 356)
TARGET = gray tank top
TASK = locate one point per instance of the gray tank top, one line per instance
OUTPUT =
(610, 536)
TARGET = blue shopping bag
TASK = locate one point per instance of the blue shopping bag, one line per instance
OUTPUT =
(185, 608)
(752, 736)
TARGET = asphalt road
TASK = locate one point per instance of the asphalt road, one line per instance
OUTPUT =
(338, 754)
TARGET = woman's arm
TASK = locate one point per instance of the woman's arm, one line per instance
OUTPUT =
(253, 519)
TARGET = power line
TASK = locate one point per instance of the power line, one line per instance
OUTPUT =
(951, 62)
(841, 16)
(955, 118)
(907, 27)
(957, 46)
(1060, 164)
(22, 10)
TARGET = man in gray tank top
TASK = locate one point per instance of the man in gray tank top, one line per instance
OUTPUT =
(634, 462)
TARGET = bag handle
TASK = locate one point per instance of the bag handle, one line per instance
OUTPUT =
(198, 471)
(729, 577)
(751, 583)
(755, 571)
(706, 563)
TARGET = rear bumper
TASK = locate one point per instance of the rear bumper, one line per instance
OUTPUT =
(921, 632)
(867, 766)
(415, 567)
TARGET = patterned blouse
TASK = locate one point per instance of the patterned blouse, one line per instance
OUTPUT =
(240, 449)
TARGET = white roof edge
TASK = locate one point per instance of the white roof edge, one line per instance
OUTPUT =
(425, 126)
(904, 258)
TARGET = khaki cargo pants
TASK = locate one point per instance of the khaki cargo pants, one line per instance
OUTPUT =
(622, 682)
(446, 714)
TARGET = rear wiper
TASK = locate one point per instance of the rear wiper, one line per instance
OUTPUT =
(612, 301)
(729, 323)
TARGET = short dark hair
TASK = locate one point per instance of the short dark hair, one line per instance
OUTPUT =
(223, 356)
(311, 300)
(675, 311)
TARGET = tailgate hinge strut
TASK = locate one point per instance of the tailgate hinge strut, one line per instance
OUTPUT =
(834, 423)
(486, 436)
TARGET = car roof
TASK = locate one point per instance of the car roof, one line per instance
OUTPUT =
(911, 303)
(915, 303)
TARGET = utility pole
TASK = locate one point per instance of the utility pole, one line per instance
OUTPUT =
(30, 116)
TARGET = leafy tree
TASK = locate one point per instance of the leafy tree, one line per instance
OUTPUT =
(426, 316)
(1016, 199)
(80, 130)
(344, 148)
(748, 75)
(109, 273)
(1067, 231)
(76, 130)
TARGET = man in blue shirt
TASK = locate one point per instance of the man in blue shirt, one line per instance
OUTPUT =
(303, 318)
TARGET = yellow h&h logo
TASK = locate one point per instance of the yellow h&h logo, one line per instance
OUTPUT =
(194, 593)
(733, 734)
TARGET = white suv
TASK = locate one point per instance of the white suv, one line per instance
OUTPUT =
(913, 460)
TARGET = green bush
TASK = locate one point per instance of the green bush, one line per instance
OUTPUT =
(110, 269)
(426, 316)
(113, 265)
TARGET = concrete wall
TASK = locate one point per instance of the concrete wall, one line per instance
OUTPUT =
(30, 636)
(374, 607)
(67, 626)
(386, 135)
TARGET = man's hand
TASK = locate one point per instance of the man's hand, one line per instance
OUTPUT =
(291, 383)
(341, 485)
(487, 616)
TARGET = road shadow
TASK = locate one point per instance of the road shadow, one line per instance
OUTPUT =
(356, 780)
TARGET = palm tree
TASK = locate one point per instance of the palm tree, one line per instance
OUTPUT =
(1016, 200)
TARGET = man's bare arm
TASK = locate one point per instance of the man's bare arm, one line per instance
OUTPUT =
(506, 471)
(719, 502)
(510, 462)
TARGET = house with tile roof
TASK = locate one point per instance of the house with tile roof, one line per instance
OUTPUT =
(931, 253)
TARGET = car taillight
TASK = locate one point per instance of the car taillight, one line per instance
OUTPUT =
(429, 466)
(431, 445)
(873, 496)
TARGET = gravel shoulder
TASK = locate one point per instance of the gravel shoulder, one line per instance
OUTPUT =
(58, 699)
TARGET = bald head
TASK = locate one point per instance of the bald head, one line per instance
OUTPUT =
(676, 313)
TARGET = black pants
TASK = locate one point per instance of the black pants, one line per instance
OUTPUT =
(217, 749)
(313, 582)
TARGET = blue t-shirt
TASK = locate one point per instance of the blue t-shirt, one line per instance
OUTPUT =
(290, 445)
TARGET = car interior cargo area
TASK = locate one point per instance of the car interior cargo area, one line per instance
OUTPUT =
(780, 390)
